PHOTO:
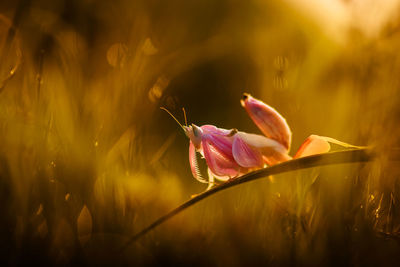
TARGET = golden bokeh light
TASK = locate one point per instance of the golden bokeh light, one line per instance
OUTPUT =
(88, 159)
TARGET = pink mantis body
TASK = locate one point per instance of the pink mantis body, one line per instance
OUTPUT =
(231, 153)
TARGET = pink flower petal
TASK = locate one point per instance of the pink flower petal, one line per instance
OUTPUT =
(268, 120)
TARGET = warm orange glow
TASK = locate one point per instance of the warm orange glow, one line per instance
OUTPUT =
(87, 158)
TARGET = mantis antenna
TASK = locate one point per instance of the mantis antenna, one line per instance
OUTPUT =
(184, 114)
(166, 110)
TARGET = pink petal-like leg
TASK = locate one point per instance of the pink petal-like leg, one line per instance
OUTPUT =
(268, 120)
(272, 151)
(275, 158)
(313, 145)
(222, 143)
(245, 155)
(218, 162)
(316, 144)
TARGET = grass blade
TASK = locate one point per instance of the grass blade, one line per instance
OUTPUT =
(340, 157)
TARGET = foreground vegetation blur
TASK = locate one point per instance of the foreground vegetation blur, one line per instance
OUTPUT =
(87, 158)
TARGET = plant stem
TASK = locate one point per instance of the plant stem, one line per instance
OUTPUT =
(347, 156)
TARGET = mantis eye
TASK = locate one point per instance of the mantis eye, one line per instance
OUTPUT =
(196, 130)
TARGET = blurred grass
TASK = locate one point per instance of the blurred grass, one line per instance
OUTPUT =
(87, 159)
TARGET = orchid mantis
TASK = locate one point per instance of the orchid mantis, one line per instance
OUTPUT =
(231, 153)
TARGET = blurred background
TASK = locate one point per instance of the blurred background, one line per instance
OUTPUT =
(87, 158)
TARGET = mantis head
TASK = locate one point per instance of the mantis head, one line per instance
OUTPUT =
(193, 132)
